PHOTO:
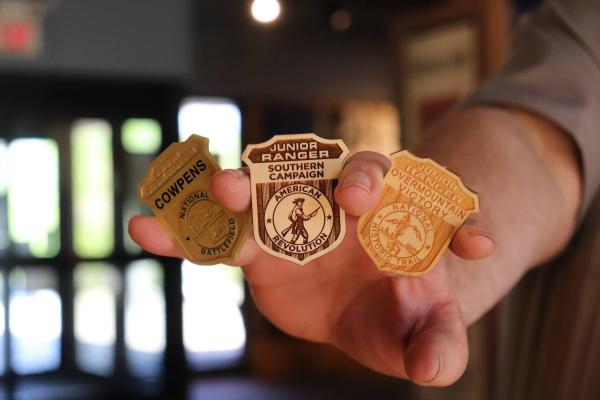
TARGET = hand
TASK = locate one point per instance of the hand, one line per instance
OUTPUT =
(409, 327)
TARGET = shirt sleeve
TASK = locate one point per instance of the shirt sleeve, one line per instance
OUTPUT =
(554, 70)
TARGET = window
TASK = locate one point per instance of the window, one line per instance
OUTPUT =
(145, 317)
(141, 139)
(2, 326)
(93, 185)
(32, 197)
(3, 188)
(35, 320)
(141, 136)
(214, 333)
(96, 288)
(220, 121)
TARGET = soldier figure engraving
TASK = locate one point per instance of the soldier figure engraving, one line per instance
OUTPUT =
(297, 218)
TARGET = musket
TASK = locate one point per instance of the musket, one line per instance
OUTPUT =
(289, 228)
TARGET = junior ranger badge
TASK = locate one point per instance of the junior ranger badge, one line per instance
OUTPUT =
(176, 190)
(422, 205)
(293, 178)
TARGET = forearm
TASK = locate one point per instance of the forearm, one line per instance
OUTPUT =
(527, 175)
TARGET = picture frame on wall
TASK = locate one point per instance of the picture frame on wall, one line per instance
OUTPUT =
(441, 54)
(440, 67)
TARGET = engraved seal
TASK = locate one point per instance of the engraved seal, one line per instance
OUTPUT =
(299, 218)
(207, 224)
(402, 234)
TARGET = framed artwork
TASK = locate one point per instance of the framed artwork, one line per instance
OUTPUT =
(440, 67)
(442, 53)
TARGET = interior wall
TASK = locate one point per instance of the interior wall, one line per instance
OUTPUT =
(297, 58)
(142, 38)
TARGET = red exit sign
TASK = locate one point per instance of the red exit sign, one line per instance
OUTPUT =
(19, 37)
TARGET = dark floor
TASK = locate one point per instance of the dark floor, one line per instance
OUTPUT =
(220, 388)
(326, 388)
(88, 388)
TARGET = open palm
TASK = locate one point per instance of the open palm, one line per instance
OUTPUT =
(409, 327)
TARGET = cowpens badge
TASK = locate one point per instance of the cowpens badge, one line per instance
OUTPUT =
(294, 212)
(421, 206)
(176, 189)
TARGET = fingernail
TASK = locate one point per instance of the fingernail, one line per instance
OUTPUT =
(236, 173)
(437, 371)
(476, 232)
(482, 236)
(357, 179)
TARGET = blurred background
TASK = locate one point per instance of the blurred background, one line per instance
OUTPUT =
(92, 90)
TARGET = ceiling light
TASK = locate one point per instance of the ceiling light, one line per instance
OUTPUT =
(265, 11)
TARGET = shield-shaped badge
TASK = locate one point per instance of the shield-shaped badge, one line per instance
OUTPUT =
(176, 190)
(422, 205)
(293, 178)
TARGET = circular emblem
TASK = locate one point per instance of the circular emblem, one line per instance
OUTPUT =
(299, 218)
(207, 224)
(402, 234)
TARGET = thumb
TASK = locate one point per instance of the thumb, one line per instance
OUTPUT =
(361, 181)
(437, 352)
(473, 240)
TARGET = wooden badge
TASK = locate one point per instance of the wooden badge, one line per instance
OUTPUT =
(293, 178)
(421, 206)
(176, 190)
